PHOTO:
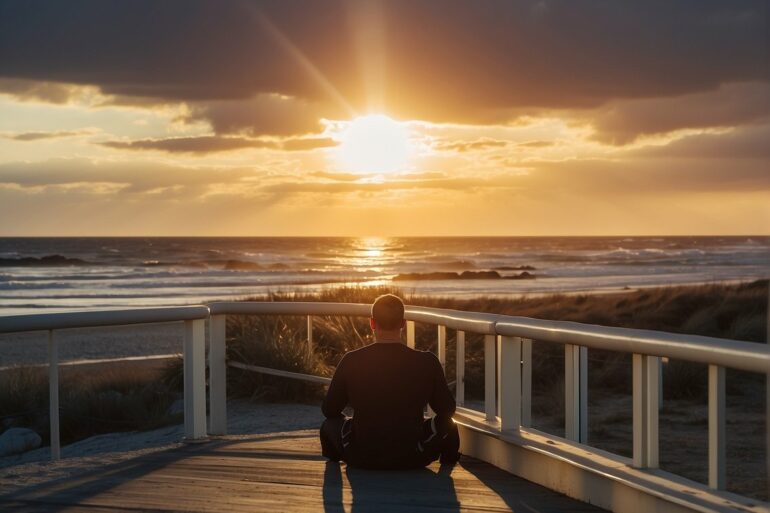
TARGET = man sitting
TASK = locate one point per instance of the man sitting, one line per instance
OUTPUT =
(388, 385)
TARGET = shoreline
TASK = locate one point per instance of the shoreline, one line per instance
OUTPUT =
(463, 289)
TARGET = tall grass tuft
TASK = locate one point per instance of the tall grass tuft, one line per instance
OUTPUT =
(90, 401)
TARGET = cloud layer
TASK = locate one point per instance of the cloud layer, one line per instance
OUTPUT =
(277, 66)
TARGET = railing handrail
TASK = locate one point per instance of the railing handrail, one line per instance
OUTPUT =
(749, 356)
(289, 308)
(96, 318)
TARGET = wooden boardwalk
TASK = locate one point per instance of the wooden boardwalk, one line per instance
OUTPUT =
(284, 473)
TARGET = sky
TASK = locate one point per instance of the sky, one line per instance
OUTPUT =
(378, 118)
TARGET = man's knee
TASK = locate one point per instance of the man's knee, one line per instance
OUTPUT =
(331, 438)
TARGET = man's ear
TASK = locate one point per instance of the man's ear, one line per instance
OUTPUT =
(403, 324)
(372, 323)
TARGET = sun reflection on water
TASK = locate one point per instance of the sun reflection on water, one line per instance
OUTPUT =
(370, 253)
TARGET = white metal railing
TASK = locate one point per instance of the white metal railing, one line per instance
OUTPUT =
(508, 344)
(194, 318)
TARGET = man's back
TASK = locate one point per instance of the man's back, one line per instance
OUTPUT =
(388, 385)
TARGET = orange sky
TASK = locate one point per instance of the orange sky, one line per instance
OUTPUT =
(264, 118)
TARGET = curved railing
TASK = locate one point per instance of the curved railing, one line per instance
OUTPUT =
(508, 364)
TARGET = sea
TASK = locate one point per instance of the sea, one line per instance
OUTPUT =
(42, 274)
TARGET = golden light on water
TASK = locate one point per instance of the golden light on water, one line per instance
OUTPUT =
(369, 253)
(374, 144)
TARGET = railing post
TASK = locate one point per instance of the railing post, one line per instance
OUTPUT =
(717, 461)
(510, 384)
(576, 393)
(53, 395)
(460, 369)
(410, 334)
(526, 382)
(498, 370)
(441, 335)
(489, 377)
(217, 375)
(309, 335)
(194, 380)
(645, 400)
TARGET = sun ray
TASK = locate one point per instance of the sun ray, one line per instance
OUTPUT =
(302, 60)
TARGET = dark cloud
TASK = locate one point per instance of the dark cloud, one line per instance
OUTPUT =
(200, 144)
(264, 114)
(34, 90)
(442, 60)
(37, 136)
(135, 177)
(655, 176)
(214, 144)
(622, 122)
(308, 143)
(749, 142)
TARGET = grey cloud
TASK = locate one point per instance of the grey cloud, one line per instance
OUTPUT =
(214, 144)
(37, 136)
(622, 122)
(263, 114)
(36, 90)
(648, 176)
(447, 60)
(136, 177)
(748, 142)
(200, 144)
(307, 143)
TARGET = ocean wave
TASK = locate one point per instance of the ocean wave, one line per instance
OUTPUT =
(20, 285)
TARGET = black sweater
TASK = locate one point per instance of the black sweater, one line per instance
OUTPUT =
(388, 386)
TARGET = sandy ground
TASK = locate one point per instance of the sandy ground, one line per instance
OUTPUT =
(683, 434)
(244, 419)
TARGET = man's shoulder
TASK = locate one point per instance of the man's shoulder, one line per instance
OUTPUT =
(374, 347)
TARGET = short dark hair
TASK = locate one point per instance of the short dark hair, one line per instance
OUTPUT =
(388, 312)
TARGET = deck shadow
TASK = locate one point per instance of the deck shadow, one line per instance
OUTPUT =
(382, 491)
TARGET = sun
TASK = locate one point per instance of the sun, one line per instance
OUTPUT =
(374, 144)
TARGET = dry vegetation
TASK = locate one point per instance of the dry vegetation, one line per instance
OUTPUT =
(90, 402)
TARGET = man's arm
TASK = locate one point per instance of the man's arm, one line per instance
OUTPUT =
(441, 400)
(337, 396)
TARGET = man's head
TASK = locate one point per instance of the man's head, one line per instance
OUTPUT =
(387, 315)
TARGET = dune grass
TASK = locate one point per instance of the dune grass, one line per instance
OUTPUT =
(90, 402)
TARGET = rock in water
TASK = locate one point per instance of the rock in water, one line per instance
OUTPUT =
(18, 440)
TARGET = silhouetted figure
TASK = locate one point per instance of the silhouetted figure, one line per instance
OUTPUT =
(388, 385)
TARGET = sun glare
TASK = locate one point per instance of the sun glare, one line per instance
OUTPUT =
(374, 144)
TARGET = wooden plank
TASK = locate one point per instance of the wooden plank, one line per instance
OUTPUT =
(285, 473)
